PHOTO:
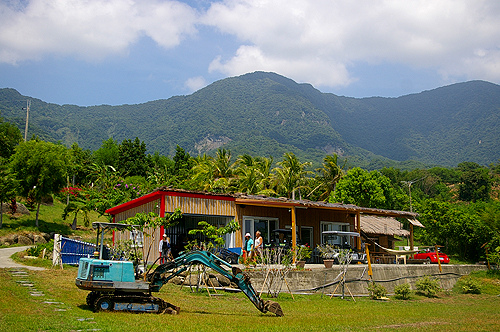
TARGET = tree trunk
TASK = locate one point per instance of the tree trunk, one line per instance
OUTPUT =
(37, 213)
(73, 226)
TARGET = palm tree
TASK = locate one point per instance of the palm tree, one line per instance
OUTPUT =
(76, 209)
(328, 176)
(222, 164)
(291, 175)
(253, 174)
(203, 172)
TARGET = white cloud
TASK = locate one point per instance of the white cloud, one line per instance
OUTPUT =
(317, 41)
(91, 29)
(195, 83)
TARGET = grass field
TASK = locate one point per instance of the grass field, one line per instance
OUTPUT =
(54, 303)
(60, 306)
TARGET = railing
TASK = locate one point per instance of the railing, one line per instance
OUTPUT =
(69, 251)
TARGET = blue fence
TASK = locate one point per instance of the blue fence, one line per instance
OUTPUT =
(73, 250)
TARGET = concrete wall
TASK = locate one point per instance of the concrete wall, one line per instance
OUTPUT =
(388, 275)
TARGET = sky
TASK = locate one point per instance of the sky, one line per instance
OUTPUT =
(93, 52)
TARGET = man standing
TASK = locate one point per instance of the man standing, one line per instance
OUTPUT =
(164, 249)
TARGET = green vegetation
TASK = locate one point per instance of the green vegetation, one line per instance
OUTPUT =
(459, 207)
(63, 308)
(265, 114)
(402, 291)
(427, 286)
(377, 291)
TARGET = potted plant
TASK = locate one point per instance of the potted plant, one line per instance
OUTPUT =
(303, 253)
(328, 253)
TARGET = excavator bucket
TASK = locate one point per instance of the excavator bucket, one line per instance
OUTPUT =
(273, 307)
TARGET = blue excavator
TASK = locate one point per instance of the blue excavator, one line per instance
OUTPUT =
(114, 285)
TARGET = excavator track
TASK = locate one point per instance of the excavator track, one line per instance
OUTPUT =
(134, 303)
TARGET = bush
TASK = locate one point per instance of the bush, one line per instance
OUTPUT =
(376, 291)
(427, 286)
(38, 249)
(469, 286)
(403, 291)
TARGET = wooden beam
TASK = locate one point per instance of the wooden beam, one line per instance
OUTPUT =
(358, 229)
(294, 234)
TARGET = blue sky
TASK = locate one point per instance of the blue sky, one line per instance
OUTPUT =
(116, 52)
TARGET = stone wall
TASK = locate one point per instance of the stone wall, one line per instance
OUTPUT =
(388, 275)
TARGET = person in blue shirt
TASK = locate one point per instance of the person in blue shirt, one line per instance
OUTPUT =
(247, 248)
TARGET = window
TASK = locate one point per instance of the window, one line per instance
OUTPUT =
(137, 238)
(334, 226)
(306, 236)
(264, 225)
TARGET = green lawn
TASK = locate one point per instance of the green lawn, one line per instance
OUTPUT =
(62, 308)
(50, 220)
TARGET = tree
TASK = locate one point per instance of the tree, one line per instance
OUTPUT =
(81, 165)
(161, 172)
(10, 137)
(222, 163)
(76, 209)
(152, 221)
(132, 158)
(214, 234)
(41, 169)
(367, 189)
(475, 186)
(290, 175)
(328, 176)
(182, 164)
(459, 227)
(108, 153)
(8, 187)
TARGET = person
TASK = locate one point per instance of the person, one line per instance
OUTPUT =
(258, 245)
(164, 249)
(247, 248)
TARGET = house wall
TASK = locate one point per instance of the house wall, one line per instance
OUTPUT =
(304, 217)
(148, 239)
(189, 204)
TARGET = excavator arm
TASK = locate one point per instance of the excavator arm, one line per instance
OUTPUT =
(158, 278)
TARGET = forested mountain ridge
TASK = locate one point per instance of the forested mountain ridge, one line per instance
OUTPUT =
(267, 114)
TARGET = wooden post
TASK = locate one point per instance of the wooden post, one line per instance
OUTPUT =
(294, 234)
(411, 239)
(358, 229)
(437, 255)
(370, 272)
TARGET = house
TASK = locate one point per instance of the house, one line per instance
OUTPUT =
(253, 212)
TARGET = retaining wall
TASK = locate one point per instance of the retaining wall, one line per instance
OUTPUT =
(320, 279)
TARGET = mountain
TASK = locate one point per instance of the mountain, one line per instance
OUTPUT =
(267, 114)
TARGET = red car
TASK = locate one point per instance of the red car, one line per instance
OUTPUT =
(431, 257)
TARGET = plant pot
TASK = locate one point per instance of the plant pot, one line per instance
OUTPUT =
(328, 263)
(300, 264)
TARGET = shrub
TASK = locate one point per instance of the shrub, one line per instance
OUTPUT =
(469, 286)
(427, 286)
(403, 291)
(376, 291)
(38, 249)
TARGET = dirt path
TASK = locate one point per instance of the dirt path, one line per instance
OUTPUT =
(7, 262)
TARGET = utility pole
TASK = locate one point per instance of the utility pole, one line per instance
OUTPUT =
(409, 183)
(28, 104)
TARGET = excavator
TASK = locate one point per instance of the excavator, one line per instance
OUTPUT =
(113, 284)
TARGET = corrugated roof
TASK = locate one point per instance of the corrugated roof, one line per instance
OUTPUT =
(261, 200)
(382, 225)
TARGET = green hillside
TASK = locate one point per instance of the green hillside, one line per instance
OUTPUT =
(267, 114)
